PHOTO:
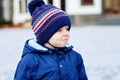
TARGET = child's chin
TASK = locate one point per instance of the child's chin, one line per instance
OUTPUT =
(62, 46)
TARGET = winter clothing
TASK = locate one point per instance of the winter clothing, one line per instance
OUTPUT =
(41, 63)
(46, 20)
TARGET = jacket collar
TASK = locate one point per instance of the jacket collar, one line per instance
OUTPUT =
(31, 46)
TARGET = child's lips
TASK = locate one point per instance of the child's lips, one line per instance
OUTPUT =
(65, 40)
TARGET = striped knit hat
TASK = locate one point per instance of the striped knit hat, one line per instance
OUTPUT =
(46, 20)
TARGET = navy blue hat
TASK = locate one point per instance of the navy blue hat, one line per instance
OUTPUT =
(46, 20)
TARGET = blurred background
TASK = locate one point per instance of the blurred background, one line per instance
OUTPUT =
(14, 13)
(95, 34)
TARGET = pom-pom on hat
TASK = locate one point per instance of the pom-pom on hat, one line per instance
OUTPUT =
(46, 20)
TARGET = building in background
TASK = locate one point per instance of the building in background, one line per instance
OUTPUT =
(1, 11)
(14, 11)
(84, 12)
(80, 11)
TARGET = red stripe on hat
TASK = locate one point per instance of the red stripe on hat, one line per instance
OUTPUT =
(42, 21)
(48, 23)
(41, 11)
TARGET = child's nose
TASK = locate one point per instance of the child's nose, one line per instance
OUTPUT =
(66, 33)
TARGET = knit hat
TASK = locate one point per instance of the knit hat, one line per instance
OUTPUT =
(46, 20)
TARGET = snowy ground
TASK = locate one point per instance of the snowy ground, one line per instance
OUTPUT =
(99, 46)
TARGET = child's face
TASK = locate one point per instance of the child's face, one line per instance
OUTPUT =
(61, 37)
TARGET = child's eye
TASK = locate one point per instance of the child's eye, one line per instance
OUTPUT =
(67, 29)
(59, 30)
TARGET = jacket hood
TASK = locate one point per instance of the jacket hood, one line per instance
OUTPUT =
(31, 46)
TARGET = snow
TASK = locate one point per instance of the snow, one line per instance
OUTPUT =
(99, 46)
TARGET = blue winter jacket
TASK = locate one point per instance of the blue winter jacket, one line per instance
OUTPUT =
(41, 63)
